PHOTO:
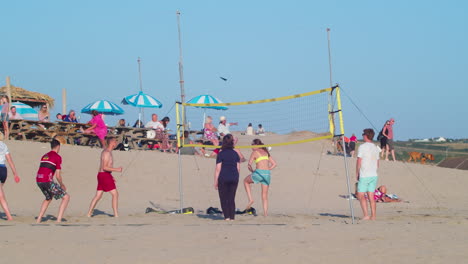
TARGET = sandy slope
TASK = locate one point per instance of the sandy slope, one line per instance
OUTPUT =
(309, 220)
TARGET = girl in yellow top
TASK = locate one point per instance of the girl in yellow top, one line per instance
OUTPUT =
(264, 163)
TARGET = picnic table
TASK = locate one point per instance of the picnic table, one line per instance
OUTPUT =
(137, 138)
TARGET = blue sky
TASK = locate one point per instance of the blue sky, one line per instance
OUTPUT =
(401, 59)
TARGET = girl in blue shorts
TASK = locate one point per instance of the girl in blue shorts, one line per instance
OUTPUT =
(264, 163)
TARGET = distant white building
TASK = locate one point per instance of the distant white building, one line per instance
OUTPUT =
(421, 140)
(440, 139)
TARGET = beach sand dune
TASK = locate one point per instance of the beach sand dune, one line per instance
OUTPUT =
(309, 218)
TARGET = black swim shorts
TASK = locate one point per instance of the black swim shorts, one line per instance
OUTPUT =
(51, 189)
(3, 174)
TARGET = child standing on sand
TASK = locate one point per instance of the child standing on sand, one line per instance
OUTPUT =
(366, 173)
(51, 164)
(106, 182)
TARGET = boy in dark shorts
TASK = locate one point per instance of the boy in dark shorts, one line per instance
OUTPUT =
(51, 164)
(106, 182)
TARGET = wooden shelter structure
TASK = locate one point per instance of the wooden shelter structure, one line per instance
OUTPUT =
(34, 99)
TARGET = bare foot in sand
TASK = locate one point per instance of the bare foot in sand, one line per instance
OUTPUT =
(366, 218)
(372, 218)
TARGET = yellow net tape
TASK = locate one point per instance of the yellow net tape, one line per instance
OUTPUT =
(265, 100)
(267, 145)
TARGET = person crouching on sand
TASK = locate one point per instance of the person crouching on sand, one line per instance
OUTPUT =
(5, 156)
(106, 182)
(264, 164)
(51, 164)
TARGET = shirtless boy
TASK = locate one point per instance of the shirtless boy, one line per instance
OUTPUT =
(51, 163)
(106, 182)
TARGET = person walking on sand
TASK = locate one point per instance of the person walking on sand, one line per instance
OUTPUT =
(264, 163)
(366, 173)
(5, 156)
(51, 164)
(388, 133)
(106, 182)
(4, 116)
(226, 177)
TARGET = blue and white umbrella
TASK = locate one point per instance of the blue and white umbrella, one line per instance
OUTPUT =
(206, 99)
(26, 111)
(104, 107)
(142, 100)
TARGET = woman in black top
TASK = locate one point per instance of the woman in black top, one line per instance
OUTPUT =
(384, 139)
(227, 176)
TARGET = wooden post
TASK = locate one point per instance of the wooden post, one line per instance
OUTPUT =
(64, 101)
(8, 88)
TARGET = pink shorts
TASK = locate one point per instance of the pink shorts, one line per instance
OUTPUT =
(105, 182)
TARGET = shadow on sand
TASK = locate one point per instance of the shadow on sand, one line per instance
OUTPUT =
(212, 217)
(335, 215)
(97, 212)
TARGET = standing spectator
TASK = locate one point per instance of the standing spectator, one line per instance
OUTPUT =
(383, 139)
(249, 130)
(366, 173)
(352, 145)
(389, 135)
(71, 117)
(14, 114)
(223, 127)
(43, 114)
(226, 177)
(4, 116)
(98, 127)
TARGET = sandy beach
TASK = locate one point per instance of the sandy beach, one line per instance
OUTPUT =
(309, 217)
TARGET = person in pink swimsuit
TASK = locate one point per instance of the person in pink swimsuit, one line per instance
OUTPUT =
(98, 127)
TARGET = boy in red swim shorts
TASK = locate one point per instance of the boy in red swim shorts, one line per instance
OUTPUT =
(106, 182)
(51, 164)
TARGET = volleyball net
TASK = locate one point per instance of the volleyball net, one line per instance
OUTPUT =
(280, 121)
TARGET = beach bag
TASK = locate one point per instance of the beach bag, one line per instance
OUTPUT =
(380, 136)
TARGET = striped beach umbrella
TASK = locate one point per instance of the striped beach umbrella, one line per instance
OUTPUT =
(207, 99)
(142, 100)
(104, 107)
(26, 111)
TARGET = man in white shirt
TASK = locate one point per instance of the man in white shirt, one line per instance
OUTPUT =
(366, 173)
(13, 114)
(223, 128)
(154, 123)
